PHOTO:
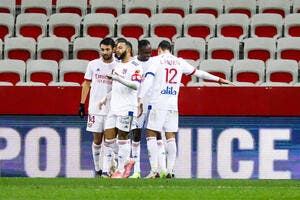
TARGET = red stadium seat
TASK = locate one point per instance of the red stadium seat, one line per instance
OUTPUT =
(259, 48)
(133, 25)
(199, 25)
(12, 71)
(223, 48)
(214, 7)
(21, 48)
(86, 48)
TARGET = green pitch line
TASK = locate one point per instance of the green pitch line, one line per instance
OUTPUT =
(123, 189)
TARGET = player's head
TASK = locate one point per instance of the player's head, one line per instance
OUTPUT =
(164, 46)
(144, 50)
(106, 48)
(123, 49)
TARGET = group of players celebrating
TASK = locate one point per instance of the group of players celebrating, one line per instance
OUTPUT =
(128, 94)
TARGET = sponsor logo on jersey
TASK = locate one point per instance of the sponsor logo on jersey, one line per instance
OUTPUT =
(169, 91)
(134, 63)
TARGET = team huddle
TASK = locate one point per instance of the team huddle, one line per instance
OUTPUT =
(128, 94)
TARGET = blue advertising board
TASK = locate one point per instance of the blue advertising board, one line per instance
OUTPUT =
(208, 147)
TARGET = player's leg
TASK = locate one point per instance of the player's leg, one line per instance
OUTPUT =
(110, 134)
(97, 153)
(154, 126)
(135, 151)
(161, 156)
(95, 124)
(171, 149)
(124, 124)
(171, 126)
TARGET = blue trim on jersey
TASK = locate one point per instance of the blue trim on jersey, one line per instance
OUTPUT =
(150, 73)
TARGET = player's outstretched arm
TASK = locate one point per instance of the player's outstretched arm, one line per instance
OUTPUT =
(205, 75)
(131, 84)
(84, 92)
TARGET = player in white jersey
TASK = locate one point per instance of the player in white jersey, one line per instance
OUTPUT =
(126, 81)
(96, 82)
(164, 77)
(144, 54)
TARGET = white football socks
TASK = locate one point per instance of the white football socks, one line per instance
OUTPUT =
(152, 152)
(171, 154)
(108, 150)
(124, 153)
(136, 150)
(161, 156)
(96, 151)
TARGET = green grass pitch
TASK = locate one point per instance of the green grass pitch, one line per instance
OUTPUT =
(123, 189)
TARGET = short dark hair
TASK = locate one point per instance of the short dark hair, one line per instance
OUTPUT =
(108, 41)
(165, 45)
(143, 43)
(123, 40)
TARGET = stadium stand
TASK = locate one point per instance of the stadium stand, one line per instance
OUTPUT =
(260, 48)
(99, 25)
(72, 6)
(86, 48)
(166, 25)
(72, 70)
(240, 6)
(113, 7)
(8, 6)
(173, 6)
(248, 71)
(7, 23)
(214, 7)
(296, 6)
(140, 6)
(292, 25)
(233, 25)
(53, 48)
(42, 71)
(12, 71)
(65, 25)
(281, 7)
(154, 41)
(288, 48)
(190, 48)
(37, 6)
(218, 67)
(199, 25)
(21, 48)
(133, 25)
(282, 71)
(33, 25)
(223, 48)
(266, 25)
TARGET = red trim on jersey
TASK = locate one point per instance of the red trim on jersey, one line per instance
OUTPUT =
(87, 79)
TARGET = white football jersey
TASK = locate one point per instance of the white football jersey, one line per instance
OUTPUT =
(167, 71)
(145, 65)
(123, 98)
(100, 85)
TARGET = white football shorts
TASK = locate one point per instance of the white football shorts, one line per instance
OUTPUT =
(120, 122)
(95, 123)
(163, 120)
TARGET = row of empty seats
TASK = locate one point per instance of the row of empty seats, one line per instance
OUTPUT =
(42, 72)
(249, 72)
(246, 72)
(150, 7)
(87, 48)
(138, 26)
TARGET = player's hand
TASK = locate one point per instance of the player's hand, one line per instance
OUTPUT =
(103, 103)
(81, 111)
(140, 109)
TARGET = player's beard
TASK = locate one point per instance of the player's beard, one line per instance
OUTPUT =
(106, 56)
(122, 56)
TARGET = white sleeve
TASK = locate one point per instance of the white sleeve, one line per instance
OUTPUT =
(146, 84)
(131, 84)
(88, 74)
(206, 75)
